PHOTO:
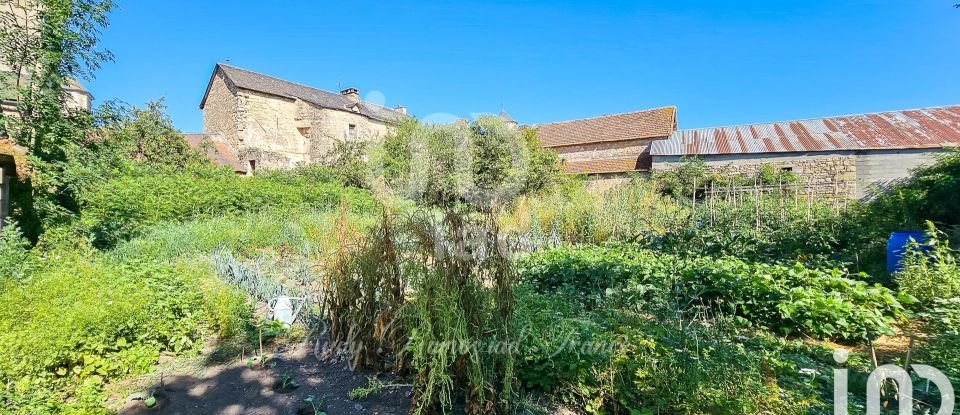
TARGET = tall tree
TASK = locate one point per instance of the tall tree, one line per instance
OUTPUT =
(44, 44)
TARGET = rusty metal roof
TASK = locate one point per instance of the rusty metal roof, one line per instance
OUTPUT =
(907, 129)
(652, 123)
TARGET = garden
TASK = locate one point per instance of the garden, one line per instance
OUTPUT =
(445, 269)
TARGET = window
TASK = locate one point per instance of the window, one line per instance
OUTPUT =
(251, 167)
(786, 169)
(352, 131)
(304, 131)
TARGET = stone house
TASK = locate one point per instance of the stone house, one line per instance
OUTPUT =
(846, 156)
(272, 123)
(610, 147)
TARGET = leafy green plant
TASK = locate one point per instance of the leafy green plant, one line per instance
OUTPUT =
(793, 299)
(15, 259)
(374, 387)
(87, 321)
(316, 404)
(929, 273)
(479, 165)
(285, 383)
(125, 206)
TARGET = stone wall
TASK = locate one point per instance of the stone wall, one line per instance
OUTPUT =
(599, 151)
(823, 175)
(220, 112)
(279, 132)
(854, 174)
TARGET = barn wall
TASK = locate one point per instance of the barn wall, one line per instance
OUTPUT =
(829, 175)
(878, 169)
(855, 174)
(598, 151)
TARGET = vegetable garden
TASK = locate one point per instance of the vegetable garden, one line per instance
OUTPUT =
(452, 267)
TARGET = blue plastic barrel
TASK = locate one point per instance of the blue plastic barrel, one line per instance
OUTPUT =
(896, 247)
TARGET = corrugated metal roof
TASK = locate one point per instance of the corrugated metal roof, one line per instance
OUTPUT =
(652, 123)
(907, 129)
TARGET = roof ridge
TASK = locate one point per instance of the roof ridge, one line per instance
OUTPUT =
(279, 79)
(313, 88)
(674, 107)
(814, 118)
(304, 85)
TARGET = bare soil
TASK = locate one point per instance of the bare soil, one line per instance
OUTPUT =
(234, 388)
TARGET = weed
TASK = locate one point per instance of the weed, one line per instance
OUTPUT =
(374, 387)
(315, 405)
(285, 383)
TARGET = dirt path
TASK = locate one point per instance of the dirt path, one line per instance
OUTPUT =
(236, 389)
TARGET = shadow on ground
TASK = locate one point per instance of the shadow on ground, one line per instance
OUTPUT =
(233, 388)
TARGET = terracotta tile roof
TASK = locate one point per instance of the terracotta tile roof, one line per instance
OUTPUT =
(217, 151)
(610, 165)
(652, 123)
(908, 129)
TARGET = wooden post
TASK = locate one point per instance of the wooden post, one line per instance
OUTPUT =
(694, 196)
(756, 195)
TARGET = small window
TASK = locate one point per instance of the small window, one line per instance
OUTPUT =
(251, 167)
(786, 169)
(352, 131)
(304, 131)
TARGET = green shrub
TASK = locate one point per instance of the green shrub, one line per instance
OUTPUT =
(480, 165)
(125, 206)
(792, 299)
(550, 334)
(929, 273)
(942, 321)
(14, 255)
(930, 194)
(611, 360)
(81, 319)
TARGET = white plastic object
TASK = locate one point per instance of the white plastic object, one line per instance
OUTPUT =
(281, 309)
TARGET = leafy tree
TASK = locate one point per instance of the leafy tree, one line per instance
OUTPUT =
(347, 162)
(46, 43)
(145, 135)
(480, 165)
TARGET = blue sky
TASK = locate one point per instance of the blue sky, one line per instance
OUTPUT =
(719, 62)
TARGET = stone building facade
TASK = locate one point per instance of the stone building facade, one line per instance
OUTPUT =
(610, 147)
(851, 156)
(273, 124)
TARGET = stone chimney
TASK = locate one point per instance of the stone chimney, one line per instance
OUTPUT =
(353, 94)
(401, 109)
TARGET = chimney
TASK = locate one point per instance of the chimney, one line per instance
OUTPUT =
(401, 109)
(353, 94)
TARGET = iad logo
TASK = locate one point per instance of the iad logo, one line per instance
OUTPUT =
(904, 387)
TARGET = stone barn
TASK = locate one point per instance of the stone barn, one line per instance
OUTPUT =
(610, 147)
(272, 123)
(855, 154)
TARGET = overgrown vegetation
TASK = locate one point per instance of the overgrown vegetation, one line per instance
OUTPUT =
(454, 256)
(479, 165)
